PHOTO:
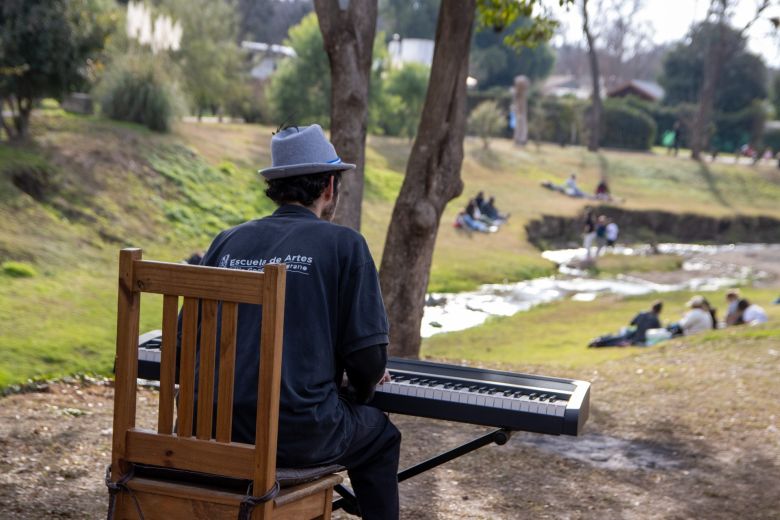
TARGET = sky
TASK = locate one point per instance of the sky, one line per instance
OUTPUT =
(671, 19)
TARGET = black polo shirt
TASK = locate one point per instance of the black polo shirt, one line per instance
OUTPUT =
(333, 307)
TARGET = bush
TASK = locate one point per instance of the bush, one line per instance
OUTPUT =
(140, 91)
(248, 102)
(733, 129)
(18, 269)
(623, 126)
(486, 121)
(772, 139)
(664, 116)
(554, 119)
(402, 97)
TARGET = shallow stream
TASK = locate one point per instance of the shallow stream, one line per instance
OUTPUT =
(447, 312)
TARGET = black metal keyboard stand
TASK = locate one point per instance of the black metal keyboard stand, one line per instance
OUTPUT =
(348, 502)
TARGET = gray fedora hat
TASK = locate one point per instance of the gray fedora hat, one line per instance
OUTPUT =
(302, 150)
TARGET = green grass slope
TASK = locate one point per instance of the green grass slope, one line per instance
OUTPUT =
(92, 186)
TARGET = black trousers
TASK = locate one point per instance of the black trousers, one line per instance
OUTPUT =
(372, 463)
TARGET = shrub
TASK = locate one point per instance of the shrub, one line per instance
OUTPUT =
(733, 129)
(554, 119)
(248, 103)
(623, 126)
(140, 91)
(18, 269)
(664, 116)
(772, 139)
(402, 98)
(486, 121)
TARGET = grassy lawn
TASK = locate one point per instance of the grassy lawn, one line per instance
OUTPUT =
(557, 334)
(108, 185)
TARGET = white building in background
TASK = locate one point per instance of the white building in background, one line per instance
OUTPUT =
(415, 50)
(410, 50)
(568, 85)
(266, 58)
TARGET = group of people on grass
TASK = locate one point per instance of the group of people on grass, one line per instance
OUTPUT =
(571, 189)
(645, 328)
(601, 232)
(481, 215)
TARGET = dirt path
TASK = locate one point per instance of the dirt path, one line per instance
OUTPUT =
(684, 431)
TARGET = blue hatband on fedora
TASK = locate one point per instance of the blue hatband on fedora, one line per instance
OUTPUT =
(302, 150)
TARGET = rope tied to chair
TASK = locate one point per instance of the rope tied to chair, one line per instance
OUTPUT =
(249, 502)
(114, 488)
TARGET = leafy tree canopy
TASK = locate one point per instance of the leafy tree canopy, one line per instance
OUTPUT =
(403, 95)
(46, 49)
(409, 19)
(300, 89)
(743, 75)
(494, 63)
(209, 56)
(268, 20)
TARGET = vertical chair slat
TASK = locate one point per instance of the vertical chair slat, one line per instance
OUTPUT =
(267, 426)
(189, 332)
(128, 315)
(227, 368)
(168, 363)
(208, 340)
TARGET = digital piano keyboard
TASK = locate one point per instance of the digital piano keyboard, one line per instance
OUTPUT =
(455, 393)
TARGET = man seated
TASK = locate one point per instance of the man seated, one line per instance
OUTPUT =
(635, 334)
(645, 321)
(732, 300)
(334, 321)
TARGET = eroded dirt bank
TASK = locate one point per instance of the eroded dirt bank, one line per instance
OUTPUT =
(554, 231)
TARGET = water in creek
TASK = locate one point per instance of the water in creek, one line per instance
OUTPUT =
(459, 311)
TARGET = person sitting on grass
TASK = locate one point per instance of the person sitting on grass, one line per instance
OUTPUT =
(602, 190)
(635, 334)
(732, 314)
(471, 218)
(572, 190)
(491, 212)
(698, 319)
(750, 313)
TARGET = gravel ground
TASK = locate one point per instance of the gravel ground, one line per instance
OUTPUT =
(683, 431)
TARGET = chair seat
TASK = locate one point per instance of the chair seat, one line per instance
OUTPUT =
(287, 477)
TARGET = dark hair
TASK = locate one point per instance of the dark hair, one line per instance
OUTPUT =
(743, 304)
(658, 306)
(303, 189)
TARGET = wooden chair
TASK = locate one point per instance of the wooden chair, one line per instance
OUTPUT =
(208, 293)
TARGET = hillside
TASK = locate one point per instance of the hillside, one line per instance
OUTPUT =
(88, 187)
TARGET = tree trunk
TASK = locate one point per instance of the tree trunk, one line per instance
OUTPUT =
(21, 118)
(348, 36)
(3, 124)
(595, 108)
(432, 179)
(713, 59)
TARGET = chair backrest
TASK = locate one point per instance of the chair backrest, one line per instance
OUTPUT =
(208, 293)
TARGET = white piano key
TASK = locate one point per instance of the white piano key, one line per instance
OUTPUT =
(524, 403)
(480, 400)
